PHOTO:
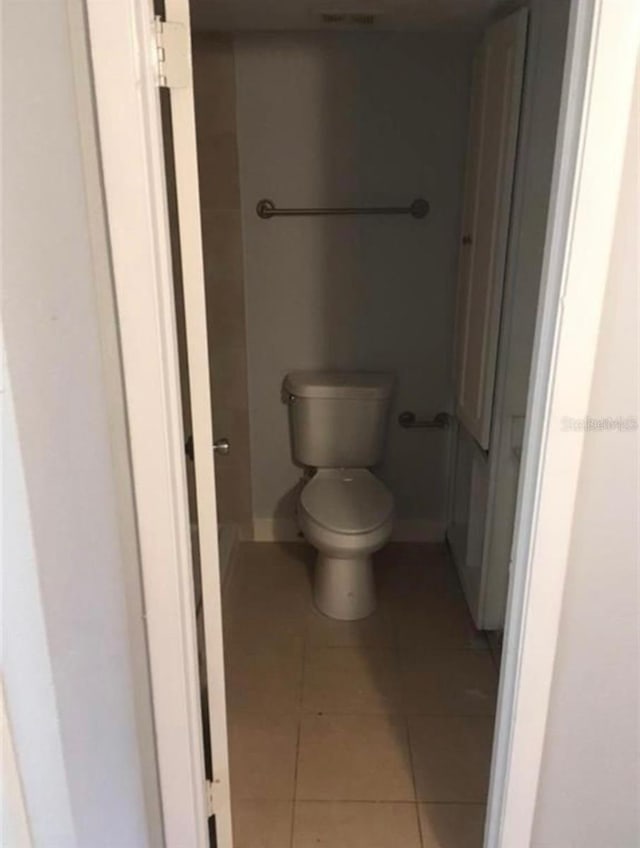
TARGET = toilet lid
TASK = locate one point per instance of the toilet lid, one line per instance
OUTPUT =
(347, 500)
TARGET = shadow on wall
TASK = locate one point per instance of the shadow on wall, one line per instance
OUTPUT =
(387, 280)
(352, 119)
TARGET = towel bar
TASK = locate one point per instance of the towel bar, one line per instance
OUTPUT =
(419, 209)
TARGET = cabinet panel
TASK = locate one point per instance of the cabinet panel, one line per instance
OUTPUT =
(495, 110)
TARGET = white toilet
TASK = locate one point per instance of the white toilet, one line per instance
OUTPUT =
(338, 423)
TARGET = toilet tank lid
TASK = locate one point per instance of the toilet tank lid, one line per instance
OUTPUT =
(371, 385)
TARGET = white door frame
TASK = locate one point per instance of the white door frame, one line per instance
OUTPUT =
(185, 162)
(594, 113)
(133, 168)
(600, 61)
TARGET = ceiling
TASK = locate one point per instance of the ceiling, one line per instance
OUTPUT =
(231, 15)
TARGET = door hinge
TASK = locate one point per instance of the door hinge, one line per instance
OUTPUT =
(213, 789)
(172, 54)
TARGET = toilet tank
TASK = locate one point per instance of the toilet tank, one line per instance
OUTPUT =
(338, 419)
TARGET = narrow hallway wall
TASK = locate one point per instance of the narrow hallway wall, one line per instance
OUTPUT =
(215, 95)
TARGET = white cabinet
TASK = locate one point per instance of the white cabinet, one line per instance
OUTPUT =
(485, 474)
(493, 133)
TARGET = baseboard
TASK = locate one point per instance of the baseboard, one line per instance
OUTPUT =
(276, 530)
(404, 530)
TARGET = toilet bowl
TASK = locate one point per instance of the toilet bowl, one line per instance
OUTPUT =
(347, 515)
(338, 423)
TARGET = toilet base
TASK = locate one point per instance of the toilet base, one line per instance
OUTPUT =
(344, 588)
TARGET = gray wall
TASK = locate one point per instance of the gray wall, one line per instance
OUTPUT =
(590, 779)
(73, 646)
(345, 119)
(215, 103)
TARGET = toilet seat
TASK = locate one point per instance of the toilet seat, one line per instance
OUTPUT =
(348, 501)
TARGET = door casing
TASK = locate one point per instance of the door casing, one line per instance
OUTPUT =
(124, 58)
(592, 128)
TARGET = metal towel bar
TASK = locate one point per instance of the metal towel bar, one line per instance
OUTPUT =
(419, 209)
(441, 421)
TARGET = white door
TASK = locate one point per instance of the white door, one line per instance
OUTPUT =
(493, 132)
(175, 55)
(133, 56)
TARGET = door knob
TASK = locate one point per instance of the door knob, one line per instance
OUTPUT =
(222, 446)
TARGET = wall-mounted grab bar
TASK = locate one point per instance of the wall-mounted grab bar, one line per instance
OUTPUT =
(408, 419)
(419, 209)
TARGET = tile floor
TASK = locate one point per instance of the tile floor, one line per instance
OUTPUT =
(369, 734)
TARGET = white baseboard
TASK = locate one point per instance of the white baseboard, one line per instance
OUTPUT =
(276, 530)
(404, 530)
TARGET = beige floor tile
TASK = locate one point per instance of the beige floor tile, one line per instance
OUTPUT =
(404, 570)
(251, 627)
(354, 758)
(266, 680)
(412, 555)
(325, 824)
(267, 603)
(273, 573)
(436, 627)
(351, 680)
(417, 585)
(276, 555)
(452, 825)
(243, 634)
(376, 630)
(449, 683)
(262, 754)
(451, 757)
(347, 761)
(262, 824)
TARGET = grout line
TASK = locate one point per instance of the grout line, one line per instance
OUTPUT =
(295, 783)
(419, 823)
(391, 802)
(301, 715)
(413, 777)
(398, 714)
(399, 652)
(367, 801)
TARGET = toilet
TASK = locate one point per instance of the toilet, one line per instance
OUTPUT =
(338, 422)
